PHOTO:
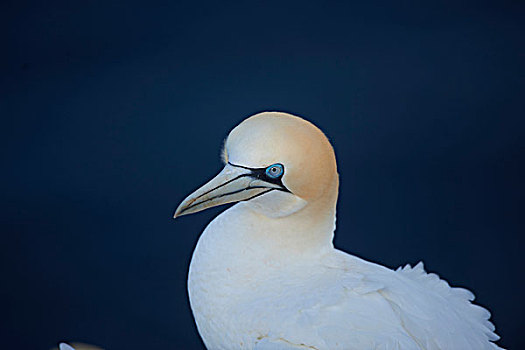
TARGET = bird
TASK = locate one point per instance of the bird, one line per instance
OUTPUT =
(265, 273)
(76, 346)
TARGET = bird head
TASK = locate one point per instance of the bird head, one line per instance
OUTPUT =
(276, 163)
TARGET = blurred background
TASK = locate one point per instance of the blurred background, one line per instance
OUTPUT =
(112, 112)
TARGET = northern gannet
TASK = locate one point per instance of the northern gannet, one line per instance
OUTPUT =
(265, 274)
(77, 346)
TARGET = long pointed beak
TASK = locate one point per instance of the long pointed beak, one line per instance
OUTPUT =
(232, 184)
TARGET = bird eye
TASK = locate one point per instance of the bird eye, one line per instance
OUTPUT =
(274, 171)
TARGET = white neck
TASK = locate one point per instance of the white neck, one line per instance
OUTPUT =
(241, 236)
(241, 249)
(306, 231)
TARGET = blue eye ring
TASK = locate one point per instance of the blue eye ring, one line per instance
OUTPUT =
(275, 170)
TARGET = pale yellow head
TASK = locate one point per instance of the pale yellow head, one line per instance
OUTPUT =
(304, 171)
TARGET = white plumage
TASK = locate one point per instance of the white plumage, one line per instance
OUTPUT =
(265, 275)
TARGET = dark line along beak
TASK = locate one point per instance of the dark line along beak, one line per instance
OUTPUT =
(234, 183)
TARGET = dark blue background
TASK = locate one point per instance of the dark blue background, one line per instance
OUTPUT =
(112, 112)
